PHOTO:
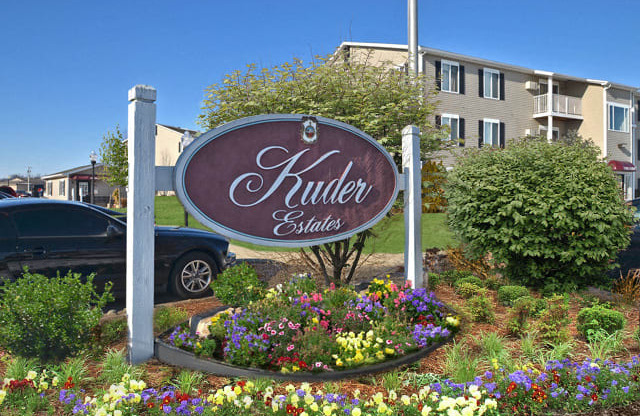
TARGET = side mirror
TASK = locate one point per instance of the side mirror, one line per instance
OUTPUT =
(113, 231)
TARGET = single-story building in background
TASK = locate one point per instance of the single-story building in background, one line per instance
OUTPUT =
(23, 184)
(75, 184)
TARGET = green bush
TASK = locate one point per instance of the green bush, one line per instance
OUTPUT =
(548, 213)
(469, 279)
(450, 276)
(553, 322)
(467, 290)
(481, 309)
(509, 294)
(238, 286)
(50, 319)
(599, 318)
(523, 308)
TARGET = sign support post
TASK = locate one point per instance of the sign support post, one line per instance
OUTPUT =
(140, 222)
(412, 206)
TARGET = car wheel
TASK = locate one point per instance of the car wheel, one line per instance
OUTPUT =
(192, 275)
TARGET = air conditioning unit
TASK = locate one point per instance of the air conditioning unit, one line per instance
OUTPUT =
(531, 85)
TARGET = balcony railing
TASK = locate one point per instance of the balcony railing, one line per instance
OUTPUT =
(562, 105)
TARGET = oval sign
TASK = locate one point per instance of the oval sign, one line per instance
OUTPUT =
(286, 180)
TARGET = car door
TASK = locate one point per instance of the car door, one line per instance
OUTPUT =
(58, 238)
(9, 261)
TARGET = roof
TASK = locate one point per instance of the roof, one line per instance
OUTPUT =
(487, 62)
(179, 129)
(69, 172)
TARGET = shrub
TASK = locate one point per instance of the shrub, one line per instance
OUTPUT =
(238, 285)
(548, 213)
(553, 321)
(523, 308)
(467, 290)
(599, 318)
(50, 319)
(509, 294)
(469, 279)
(481, 309)
(451, 276)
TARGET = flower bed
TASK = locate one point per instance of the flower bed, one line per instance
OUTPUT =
(563, 386)
(296, 328)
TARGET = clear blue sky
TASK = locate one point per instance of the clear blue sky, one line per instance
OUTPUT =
(66, 65)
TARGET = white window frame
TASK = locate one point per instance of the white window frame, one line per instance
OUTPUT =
(450, 63)
(488, 139)
(542, 131)
(489, 88)
(627, 109)
(62, 187)
(49, 188)
(451, 117)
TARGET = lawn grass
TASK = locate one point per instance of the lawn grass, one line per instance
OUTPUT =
(389, 232)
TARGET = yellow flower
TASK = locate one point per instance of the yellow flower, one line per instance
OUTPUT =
(314, 406)
(425, 411)
(31, 375)
(356, 411)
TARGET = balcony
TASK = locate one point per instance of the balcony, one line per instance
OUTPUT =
(564, 106)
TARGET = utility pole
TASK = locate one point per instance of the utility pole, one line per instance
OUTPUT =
(28, 179)
(412, 25)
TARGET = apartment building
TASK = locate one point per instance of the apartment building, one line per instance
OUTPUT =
(487, 103)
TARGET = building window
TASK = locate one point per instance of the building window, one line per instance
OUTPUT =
(450, 76)
(61, 188)
(49, 188)
(555, 134)
(491, 132)
(453, 121)
(619, 118)
(491, 83)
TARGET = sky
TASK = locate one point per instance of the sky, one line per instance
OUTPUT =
(66, 65)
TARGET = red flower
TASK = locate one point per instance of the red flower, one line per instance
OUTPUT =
(69, 384)
(151, 405)
(594, 397)
(511, 387)
(587, 379)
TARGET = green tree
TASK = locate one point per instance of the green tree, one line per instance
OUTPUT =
(372, 97)
(113, 155)
(375, 98)
(551, 215)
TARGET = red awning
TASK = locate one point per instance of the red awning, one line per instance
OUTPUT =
(621, 166)
(82, 177)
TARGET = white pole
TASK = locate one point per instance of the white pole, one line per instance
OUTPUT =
(140, 219)
(412, 206)
(412, 26)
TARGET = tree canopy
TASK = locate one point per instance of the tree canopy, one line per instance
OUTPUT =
(113, 156)
(377, 99)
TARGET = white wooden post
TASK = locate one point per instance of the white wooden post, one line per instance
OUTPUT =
(412, 206)
(140, 222)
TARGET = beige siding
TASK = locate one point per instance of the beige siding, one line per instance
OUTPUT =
(378, 56)
(515, 111)
(592, 127)
(167, 146)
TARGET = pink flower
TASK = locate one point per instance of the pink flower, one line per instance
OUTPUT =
(290, 347)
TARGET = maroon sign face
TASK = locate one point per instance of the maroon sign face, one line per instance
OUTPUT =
(286, 180)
